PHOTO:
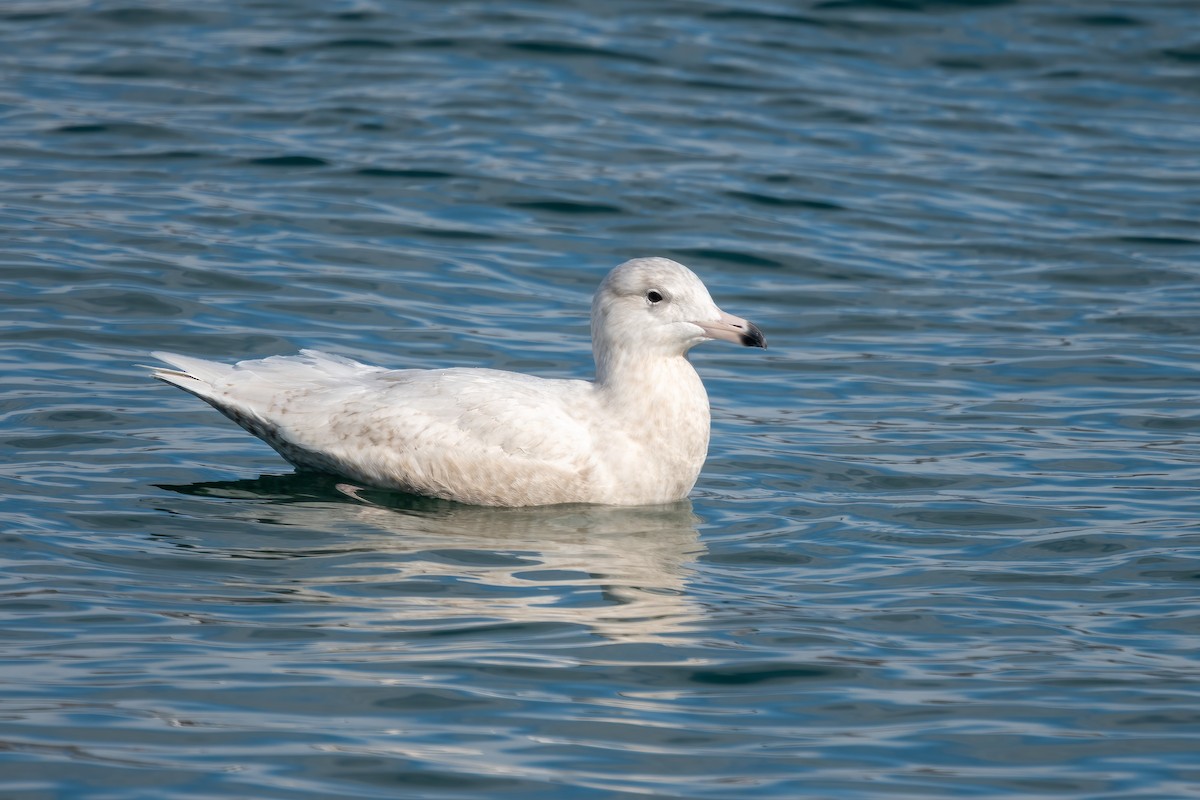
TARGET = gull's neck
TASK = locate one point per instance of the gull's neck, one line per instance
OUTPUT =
(657, 421)
(654, 396)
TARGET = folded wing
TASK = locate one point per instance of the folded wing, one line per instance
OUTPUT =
(473, 435)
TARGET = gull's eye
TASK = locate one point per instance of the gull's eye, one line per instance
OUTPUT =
(654, 297)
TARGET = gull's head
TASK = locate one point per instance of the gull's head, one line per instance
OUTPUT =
(659, 306)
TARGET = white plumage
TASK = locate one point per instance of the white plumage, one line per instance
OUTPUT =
(637, 435)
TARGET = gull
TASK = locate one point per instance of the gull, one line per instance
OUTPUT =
(636, 435)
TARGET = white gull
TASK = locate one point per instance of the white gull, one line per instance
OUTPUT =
(637, 435)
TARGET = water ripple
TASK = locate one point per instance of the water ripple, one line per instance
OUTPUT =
(946, 542)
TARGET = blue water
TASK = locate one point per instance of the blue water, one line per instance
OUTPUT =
(947, 543)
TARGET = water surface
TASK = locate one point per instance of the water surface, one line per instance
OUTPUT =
(947, 541)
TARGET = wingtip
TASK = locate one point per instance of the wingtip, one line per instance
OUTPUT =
(162, 373)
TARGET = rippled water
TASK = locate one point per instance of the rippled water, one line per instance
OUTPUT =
(947, 542)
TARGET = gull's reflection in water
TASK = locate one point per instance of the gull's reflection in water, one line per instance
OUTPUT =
(620, 572)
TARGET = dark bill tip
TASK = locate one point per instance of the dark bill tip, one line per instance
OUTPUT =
(753, 337)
